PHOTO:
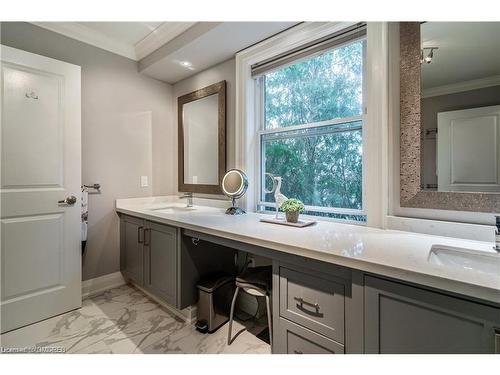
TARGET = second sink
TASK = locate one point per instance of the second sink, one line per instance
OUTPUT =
(465, 259)
(172, 208)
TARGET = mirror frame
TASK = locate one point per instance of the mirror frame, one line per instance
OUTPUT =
(218, 88)
(411, 136)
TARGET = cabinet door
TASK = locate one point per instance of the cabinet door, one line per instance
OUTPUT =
(160, 243)
(405, 319)
(131, 249)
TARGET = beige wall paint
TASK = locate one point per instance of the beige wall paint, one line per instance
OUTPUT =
(128, 130)
(223, 71)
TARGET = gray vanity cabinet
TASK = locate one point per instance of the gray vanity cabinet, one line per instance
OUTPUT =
(160, 257)
(309, 309)
(404, 319)
(132, 249)
(148, 256)
(317, 307)
(167, 264)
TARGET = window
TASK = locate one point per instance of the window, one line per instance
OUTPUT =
(311, 131)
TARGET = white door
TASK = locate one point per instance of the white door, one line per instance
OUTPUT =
(41, 165)
(468, 150)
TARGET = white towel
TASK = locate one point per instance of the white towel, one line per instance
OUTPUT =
(85, 212)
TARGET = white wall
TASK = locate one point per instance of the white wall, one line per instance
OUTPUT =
(127, 131)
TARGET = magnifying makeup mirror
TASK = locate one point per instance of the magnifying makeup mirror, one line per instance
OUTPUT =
(234, 185)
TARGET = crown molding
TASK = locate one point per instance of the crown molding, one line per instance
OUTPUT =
(84, 34)
(461, 86)
(151, 42)
(160, 36)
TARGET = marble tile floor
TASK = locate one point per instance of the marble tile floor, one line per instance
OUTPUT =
(124, 320)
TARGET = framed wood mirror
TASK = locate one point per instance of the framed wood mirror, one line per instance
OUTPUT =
(202, 139)
(450, 116)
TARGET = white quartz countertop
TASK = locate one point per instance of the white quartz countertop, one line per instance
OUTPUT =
(396, 254)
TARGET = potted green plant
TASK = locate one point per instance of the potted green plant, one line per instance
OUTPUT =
(292, 207)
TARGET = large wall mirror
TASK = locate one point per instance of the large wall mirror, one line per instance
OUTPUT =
(202, 139)
(450, 115)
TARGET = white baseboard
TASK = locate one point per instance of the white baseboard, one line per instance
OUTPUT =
(102, 283)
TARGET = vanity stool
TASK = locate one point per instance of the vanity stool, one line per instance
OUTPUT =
(256, 281)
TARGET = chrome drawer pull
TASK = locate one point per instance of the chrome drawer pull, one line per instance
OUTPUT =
(301, 301)
(139, 231)
(147, 235)
(497, 341)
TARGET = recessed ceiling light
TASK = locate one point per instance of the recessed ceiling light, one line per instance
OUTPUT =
(187, 64)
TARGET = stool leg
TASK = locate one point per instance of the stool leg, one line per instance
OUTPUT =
(269, 320)
(231, 314)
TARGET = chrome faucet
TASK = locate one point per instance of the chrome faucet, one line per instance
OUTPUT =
(497, 233)
(189, 197)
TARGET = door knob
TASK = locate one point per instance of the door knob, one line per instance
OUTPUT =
(71, 200)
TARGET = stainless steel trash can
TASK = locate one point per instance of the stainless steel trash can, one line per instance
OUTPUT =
(214, 302)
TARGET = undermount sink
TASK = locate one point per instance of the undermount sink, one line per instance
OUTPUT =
(171, 209)
(465, 259)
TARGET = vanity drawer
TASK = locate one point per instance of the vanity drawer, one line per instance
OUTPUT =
(314, 302)
(299, 340)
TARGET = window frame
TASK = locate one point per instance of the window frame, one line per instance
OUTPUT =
(259, 115)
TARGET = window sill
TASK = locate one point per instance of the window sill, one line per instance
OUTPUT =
(323, 216)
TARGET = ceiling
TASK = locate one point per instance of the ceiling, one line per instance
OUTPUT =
(170, 51)
(468, 51)
(205, 45)
(124, 32)
(134, 40)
